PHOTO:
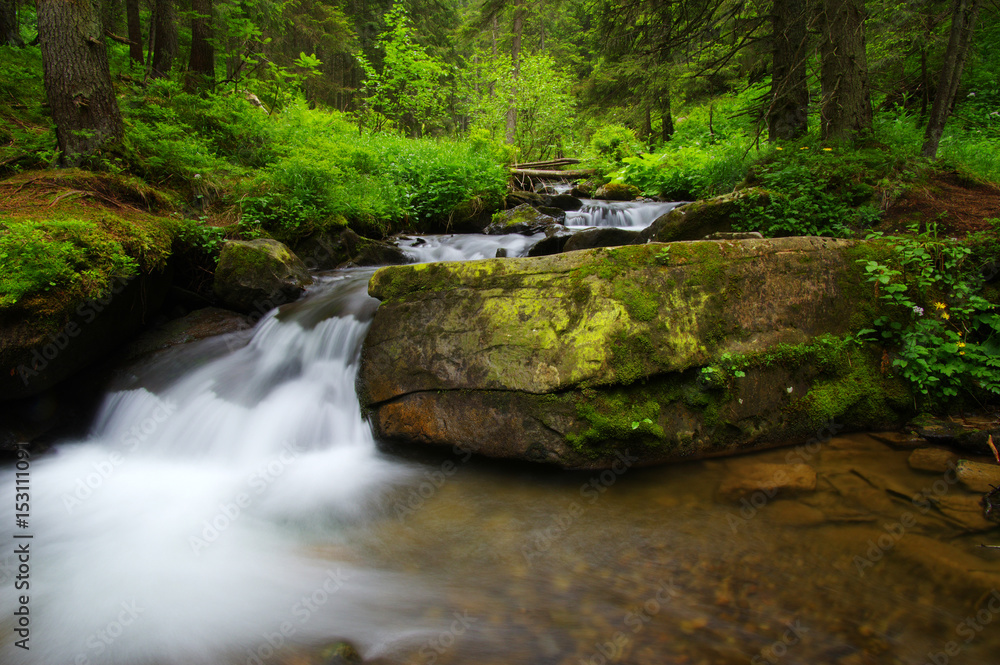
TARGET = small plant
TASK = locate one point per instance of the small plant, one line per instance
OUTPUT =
(946, 331)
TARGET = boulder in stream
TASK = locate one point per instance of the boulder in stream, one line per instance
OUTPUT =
(255, 271)
(694, 221)
(523, 219)
(634, 355)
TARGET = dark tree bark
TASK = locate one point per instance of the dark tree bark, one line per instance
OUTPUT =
(164, 40)
(846, 109)
(788, 112)
(10, 32)
(963, 24)
(201, 66)
(77, 77)
(134, 31)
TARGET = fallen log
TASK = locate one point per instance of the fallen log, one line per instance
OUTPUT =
(538, 173)
(565, 161)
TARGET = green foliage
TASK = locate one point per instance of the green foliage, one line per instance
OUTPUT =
(822, 191)
(946, 330)
(541, 96)
(71, 256)
(408, 92)
(685, 172)
(203, 239)
(614, 143)
(328, 174)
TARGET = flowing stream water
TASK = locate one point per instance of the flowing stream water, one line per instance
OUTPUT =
(231, 506)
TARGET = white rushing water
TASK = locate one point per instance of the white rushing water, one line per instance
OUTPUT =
(182, 529)
(622, 214)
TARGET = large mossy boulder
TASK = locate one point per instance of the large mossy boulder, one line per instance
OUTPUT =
(258, 271)
(694, 221)
(660, 352)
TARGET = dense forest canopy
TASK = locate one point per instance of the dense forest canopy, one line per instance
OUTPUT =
(541, 75)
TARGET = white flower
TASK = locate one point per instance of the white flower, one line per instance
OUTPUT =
(789, 389)
(919, 311)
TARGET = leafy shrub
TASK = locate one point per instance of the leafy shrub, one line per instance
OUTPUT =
(946, 331)
(614, 143)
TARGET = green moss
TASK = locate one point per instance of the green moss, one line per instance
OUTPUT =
(632, 357)
(47, 265)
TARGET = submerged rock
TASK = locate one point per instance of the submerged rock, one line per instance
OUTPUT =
(577, 358)
(770, 479)
(251, 272)
(978, 477)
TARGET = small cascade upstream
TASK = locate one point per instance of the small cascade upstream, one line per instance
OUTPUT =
(240, 512)
(622, 214)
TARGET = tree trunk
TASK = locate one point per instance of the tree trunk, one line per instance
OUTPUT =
(165, 42)
(787, 115)
(201, 66)
(134, 31)
(77, 77)
(963, 23)
(515, 58)
(846, 108)
(10, 32)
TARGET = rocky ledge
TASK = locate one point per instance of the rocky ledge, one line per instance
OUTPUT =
(660, 352)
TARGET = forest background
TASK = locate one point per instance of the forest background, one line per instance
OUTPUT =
(201, 120)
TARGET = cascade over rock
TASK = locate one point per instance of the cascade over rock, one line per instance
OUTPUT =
(576, 359)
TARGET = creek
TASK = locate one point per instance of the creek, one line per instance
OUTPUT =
(231, 506)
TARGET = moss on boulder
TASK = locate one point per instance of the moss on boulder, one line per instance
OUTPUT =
(251, 272)
(574, 358)
(695, 221)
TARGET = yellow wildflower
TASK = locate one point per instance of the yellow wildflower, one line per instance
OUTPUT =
(961, 353)
(805, 147)
(828, 149)
(940, 305)
(961, 345)
(778, 148)
(945, 316)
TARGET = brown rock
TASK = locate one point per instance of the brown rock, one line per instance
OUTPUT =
(767, 478)
(937, 460)
(978, 477)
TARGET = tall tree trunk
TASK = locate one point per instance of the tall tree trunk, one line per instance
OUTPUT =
(10, 31)
(134, 31)
(201, 66)
(846, 108)
(787, 115)
(77, 77)
(165, 42)
(515, 58)
(963, 23)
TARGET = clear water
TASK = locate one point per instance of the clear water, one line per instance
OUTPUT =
(622, 214)
(240, 512)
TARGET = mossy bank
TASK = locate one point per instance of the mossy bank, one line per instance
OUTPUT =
(667, 351)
